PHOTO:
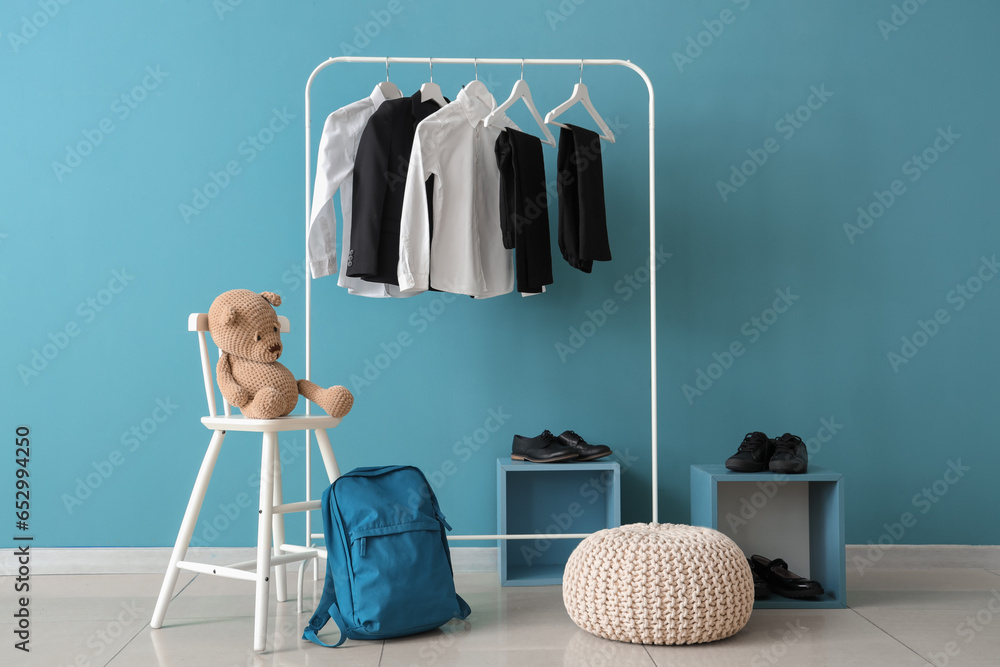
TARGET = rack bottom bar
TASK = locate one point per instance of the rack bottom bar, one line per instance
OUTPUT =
(531, 536)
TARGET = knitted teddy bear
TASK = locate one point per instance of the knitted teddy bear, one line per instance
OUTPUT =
(245, 327)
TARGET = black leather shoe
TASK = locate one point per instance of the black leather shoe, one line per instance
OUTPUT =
(790, 455)
(776, 575)
(545, 448)
(584, 450)
(760, 589)
(753, 454)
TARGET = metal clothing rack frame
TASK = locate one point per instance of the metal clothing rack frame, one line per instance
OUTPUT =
(652, 247)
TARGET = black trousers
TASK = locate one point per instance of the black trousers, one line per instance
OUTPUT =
(583, 227)
(524, 212)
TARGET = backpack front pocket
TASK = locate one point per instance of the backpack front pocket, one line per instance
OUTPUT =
(387, 595)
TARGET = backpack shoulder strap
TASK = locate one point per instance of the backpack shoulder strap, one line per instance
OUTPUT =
(327, 607)
(326, 610)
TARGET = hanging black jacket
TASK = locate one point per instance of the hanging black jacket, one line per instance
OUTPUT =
(379, 182)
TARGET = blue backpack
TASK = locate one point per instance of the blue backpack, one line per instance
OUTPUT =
(388, 568)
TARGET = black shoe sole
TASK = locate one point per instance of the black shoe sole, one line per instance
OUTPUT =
(593, 458)
(557, 459)
(788, 468)
(739, 465)
(795, 595)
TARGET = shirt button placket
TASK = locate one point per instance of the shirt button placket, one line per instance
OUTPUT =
(477, 249)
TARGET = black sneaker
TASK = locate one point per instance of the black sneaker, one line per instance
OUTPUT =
(790, 456)
(753, 454)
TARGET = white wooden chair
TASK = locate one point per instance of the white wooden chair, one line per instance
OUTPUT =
(271, 522)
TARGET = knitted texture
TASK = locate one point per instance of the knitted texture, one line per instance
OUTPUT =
(658, 584)
(245, 327)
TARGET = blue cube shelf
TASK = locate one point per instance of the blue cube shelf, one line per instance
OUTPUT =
(799, 518)
(551, 498)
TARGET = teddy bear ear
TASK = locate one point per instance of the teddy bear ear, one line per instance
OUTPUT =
(231, 315)
(272, 298)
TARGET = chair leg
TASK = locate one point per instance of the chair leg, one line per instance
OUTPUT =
(329, 460)
(264, 540)
(278, 530)
(332, 473)
(301, 586)
(187, 527)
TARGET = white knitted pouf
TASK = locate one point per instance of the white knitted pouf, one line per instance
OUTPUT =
(650, 583)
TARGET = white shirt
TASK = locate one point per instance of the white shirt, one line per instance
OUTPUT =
(466, 254)
(338, 148)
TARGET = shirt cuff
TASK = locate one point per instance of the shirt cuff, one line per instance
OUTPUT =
(323, 267)
(413, 284)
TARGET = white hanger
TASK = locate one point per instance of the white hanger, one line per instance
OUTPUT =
(430, 90)
(521, 91)
(388, 89)
(581, 95)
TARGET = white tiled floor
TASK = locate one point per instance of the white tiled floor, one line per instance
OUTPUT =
(896, 617)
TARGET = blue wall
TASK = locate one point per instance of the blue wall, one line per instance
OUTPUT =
(836, 102)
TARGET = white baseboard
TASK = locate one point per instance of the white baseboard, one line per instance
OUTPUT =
(925, 556)
(154, 560)
(114, 560)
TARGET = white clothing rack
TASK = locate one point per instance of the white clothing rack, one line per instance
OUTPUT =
(652, 243)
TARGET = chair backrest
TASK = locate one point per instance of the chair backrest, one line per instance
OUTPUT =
(199, 322)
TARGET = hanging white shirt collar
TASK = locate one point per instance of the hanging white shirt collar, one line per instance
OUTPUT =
(377, 97)
(476, 101)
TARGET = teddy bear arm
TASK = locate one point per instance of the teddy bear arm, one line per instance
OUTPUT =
(231, 390)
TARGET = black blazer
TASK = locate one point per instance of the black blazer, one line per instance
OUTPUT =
(379, 182)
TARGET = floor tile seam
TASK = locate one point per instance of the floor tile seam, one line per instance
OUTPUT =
(381, 652)
(126, 644)
(890, 635)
